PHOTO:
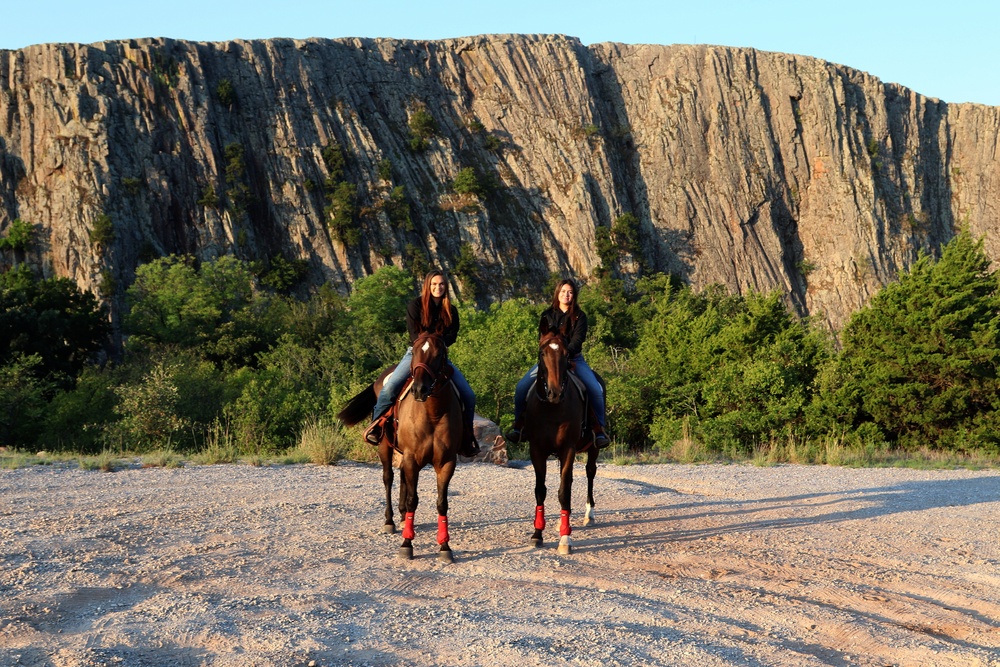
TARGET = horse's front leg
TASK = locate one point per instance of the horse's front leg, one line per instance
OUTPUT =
(407, 504)
(592, 453)
(385, 456)
(565, 497)
(538, 462)
(444, 474)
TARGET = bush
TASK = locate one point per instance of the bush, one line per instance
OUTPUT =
(19, 236)
(226, 93)
(467, 183)
(494, 350)
(920, 360)
(102, 233)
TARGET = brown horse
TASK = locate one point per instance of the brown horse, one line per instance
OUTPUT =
(428, 431)
(554, 426)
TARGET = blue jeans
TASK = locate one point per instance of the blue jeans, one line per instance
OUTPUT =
(582, 370)
(392, 385)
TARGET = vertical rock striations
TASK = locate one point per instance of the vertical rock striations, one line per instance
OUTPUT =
(751, 169)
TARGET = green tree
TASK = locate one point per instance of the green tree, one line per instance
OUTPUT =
(172, 302)
(22, 400)
(19, 236)
(494, 350)
(422, 127)
(52, 319)
(920, 360)
(148, 412)
(738, 369)
(467, 183)
(378, 311)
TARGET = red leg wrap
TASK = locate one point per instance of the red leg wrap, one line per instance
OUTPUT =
(564, 528)
(408, 533)
(540, 517)
(442, 529)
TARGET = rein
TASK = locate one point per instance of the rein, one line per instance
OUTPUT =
(545, 340)
(436, 375)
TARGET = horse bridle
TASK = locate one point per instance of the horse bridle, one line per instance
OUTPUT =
(545, 340)
(435, 374)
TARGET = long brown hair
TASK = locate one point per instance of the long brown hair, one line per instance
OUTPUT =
(574, 310)
(425, 300)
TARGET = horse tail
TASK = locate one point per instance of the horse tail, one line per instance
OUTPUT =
(359, 408)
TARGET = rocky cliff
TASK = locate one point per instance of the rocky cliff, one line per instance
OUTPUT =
(752, 169)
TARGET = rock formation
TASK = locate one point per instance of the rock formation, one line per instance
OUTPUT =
(751, 169)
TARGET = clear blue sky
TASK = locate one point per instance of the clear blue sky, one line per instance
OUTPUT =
(949, 50)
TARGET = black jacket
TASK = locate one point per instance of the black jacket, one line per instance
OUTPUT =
(414, 313)
(576, 331)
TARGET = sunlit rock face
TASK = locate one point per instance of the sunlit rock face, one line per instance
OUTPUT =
(749, 169)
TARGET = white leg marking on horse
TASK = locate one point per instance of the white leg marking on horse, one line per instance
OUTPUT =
(565, 545)
(588, 517)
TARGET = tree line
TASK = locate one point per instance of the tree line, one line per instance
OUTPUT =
(211, 354)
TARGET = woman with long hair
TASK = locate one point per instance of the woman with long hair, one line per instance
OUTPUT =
(564, 311)
(431, 312)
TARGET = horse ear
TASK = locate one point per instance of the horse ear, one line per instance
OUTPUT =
(543, 327)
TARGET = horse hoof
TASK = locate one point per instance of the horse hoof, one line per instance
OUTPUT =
(389, 528)
(445, 556)
(537, 542)
(405, 553)
(565, 546)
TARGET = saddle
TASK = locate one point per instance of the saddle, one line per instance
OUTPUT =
(589, 417)
(391, 417)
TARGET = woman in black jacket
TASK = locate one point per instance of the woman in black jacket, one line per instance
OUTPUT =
(564, 310)
(431, 312)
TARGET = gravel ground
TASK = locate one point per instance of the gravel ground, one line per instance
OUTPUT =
(686, 565)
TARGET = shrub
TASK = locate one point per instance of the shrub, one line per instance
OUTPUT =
(102, 233)
(19, 236)
(340, 213)
(333, 158)
(467, 183)
(148, 412)
(920, 360)
(226, 93)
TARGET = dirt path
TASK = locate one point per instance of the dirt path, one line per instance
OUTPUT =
(687, 565)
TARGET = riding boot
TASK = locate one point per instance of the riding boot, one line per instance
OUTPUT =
(469, 445)
(373, 434)
(600, 437)
(514, 434)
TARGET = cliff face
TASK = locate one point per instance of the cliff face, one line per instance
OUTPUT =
(755, 170)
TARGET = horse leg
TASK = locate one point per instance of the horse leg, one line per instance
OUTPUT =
(538, 462)
(444, 474)
(385, 455)
(407, 504)
(592, 453)
(565, 495)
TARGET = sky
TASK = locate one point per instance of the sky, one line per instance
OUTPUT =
(948, 50)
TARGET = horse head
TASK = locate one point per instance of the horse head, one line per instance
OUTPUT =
(553, 364)
(430, 358)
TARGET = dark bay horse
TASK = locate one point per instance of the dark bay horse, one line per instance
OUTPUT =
(428, 431)
(554, 426)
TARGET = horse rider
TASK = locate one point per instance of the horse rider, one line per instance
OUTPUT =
(565, 311)
(431, 312)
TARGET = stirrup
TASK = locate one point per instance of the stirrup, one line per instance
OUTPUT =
(513, 435)
(470, 449)
(601, 440)
(373, 434)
